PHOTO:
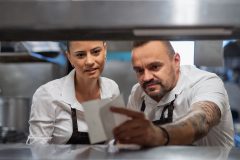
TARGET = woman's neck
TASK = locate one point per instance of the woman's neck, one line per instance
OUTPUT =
(86, 89)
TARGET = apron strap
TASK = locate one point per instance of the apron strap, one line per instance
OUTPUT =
(143, 106)
(163, 119)
(74, 120)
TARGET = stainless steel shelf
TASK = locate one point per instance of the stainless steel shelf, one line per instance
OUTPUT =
(19, 58)
(119, 20)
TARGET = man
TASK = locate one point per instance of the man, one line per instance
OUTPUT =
(180, 105)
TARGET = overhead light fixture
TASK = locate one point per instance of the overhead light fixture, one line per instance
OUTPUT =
(183, 32)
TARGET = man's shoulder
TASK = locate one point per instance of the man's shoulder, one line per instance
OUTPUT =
(195, 74)
(134, 99)
(194, 70)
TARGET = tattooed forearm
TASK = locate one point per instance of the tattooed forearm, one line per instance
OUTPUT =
(207, 116)
(212, 111)
(199, 125)
(195, 124)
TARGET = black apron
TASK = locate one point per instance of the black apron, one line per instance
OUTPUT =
(77, 137)
(163, 120)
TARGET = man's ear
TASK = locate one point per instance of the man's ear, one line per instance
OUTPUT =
(177, 59)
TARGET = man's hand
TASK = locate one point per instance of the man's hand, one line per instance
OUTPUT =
(185, 130)
(137, 130)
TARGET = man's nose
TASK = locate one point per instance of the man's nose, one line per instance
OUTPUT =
(147, 76)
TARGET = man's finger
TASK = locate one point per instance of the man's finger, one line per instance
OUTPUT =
(138, 139)
(131, 133)
(127, 112)
(128, 126)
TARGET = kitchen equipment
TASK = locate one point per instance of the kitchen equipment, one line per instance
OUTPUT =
(119, 20)
(14, 113)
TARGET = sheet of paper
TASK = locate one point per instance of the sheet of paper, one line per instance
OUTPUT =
(101, 120)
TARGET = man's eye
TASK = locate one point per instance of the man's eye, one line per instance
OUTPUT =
(155, 67)
(139, 71)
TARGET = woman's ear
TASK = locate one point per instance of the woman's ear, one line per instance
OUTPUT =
(105, 48)
(67, 54)
(105, 45)
(69, 58)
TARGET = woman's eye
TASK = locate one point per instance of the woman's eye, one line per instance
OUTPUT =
(81, 55)
(96, 52)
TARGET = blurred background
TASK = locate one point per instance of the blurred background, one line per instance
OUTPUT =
(26, 65)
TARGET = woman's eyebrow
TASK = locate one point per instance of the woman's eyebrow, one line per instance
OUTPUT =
(79, 52)
(96, 48)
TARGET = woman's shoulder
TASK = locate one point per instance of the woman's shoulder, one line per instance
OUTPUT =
(109, 87)
(108, 81)
(51, 88)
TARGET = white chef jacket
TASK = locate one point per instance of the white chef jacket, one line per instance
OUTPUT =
(194, 85)
(50, 118)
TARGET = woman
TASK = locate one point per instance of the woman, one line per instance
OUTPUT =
(57, 115)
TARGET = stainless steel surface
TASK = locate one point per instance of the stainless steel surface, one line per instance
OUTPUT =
(14, 113)
(162, 19)
(71, 152)
(122, 73)
(19, 58)
(118, 46)
(208, 53)
(30, 51)
(22, 79)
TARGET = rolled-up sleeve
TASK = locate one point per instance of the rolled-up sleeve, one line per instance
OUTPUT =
(212, 90)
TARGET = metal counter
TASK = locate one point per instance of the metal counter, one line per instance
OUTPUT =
(80, 152)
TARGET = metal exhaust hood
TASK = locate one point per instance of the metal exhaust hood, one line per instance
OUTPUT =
(119, 20)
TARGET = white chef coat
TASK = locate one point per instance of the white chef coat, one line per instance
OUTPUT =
(194, 85)
(50, 118)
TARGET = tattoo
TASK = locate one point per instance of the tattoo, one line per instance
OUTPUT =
(195, 124)
(195, 121)
(212, 112)
(208, 114)
(199, 125)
